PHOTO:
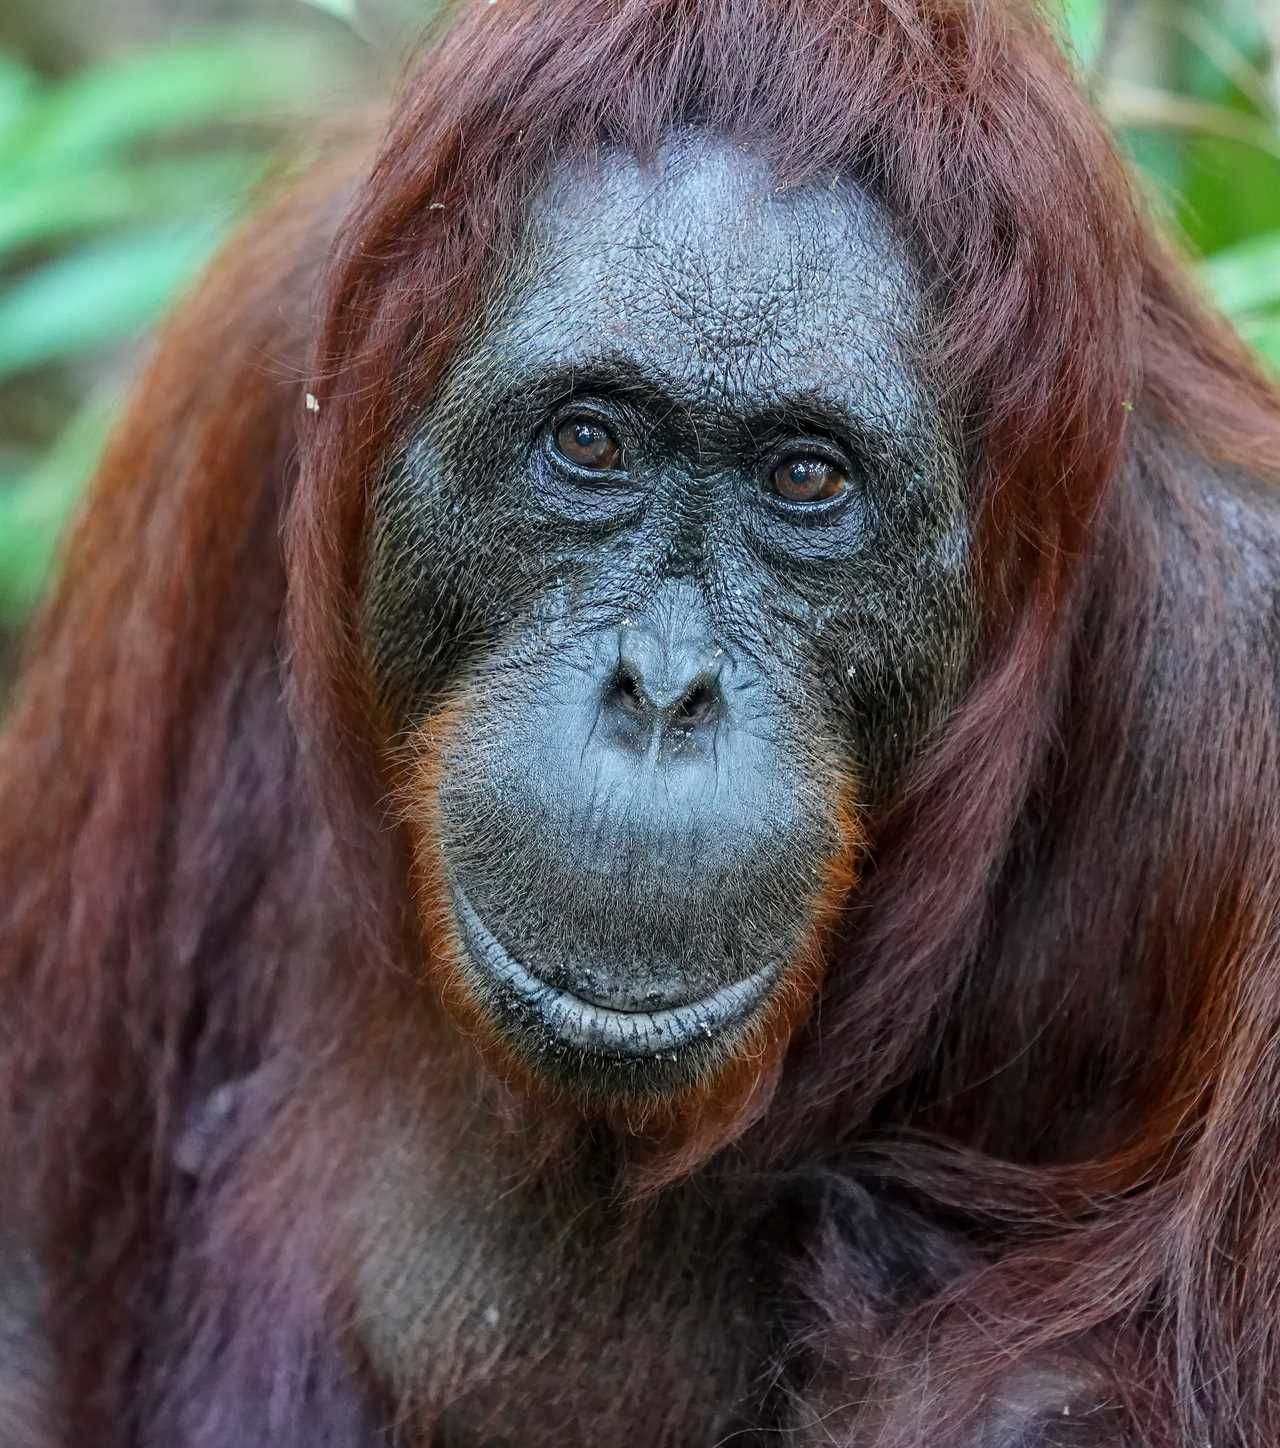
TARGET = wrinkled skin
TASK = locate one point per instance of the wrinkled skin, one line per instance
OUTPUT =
(676, 685)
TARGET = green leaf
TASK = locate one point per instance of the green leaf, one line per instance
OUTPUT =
(34, 510)
(1229, 187)
(58, 204)
(18, 84)
(100, 293)
(343, 9)
(1084, 21)
(1231, 192)
(156, 92)
(1245, 277)
(1263, 334)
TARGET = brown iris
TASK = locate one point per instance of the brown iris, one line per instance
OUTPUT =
(588, 444)
(807, 480)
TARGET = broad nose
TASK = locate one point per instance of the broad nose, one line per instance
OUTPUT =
(662, 689)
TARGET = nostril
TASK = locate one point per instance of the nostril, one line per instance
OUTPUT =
(669, 693)
(697, 706)
(627, 695)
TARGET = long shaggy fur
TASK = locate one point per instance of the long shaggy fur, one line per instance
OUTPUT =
(1050, 1022)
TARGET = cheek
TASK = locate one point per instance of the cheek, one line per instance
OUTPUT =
(458, 573)
(898, 650)
(441, 582)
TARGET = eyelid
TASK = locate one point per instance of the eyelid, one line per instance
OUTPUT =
(592, 412)
(810, 447)
(589, 407)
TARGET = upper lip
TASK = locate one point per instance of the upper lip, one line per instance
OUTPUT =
(604, 1030)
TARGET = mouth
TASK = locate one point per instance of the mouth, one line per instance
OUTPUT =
(563, 1019)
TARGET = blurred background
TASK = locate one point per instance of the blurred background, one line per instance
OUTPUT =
(132, 134)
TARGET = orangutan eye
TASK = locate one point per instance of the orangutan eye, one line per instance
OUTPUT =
(807, 480)
(587, 443)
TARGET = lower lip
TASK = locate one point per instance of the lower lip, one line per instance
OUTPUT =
(600, 1030)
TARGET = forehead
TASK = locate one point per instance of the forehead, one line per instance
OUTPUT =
(699, 272)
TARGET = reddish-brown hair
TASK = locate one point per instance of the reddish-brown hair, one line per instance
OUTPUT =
(1062, 975)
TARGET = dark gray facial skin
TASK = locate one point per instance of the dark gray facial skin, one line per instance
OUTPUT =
(668, 668)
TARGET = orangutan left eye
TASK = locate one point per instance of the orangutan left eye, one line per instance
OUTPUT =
(807, 480)
(588, 444)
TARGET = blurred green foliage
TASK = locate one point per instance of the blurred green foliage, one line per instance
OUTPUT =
(118, 181)
(1197, 109)
(116, 184)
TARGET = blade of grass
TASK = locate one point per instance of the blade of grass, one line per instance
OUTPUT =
(1127, 104)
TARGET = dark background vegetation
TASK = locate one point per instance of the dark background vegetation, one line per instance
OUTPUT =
(133, 134)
